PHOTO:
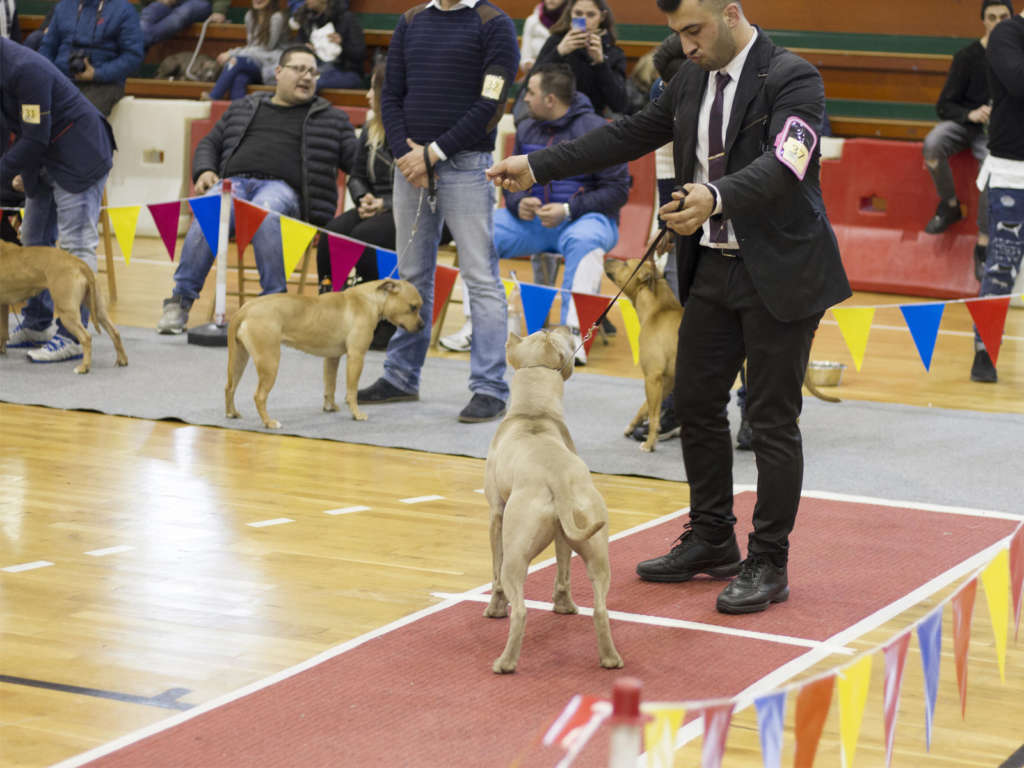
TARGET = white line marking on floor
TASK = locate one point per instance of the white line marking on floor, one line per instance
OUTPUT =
(108, 551)
(27, 566)
(478, 490)
(346, 510)
(420, 499)
(275, 521)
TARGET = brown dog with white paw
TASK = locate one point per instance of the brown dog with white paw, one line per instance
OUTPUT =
(27, 271)
(328, 325)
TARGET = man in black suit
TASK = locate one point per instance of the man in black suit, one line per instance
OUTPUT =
(758, 266)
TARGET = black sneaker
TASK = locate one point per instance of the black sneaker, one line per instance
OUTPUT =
(946, 215)
(983, 370)
(383, 391)
(609, 330)
(743, 435)
(482, 407)
(691, 556)
(759, 584)
(667, 429)
(980, 255)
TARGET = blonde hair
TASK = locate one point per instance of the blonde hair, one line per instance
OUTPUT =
(375, 124)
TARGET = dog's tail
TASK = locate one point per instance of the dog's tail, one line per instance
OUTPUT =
(566, 508)
(93, 297)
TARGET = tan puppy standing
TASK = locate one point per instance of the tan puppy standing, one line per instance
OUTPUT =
(660, 313)
(26, 271)
(328, 325)
(539, 490)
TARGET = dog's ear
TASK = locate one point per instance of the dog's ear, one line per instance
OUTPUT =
(388, 284)
(512, 349)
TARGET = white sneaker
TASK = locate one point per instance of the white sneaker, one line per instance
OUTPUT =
(20, 336)
(56, 350)
(577, 343)
(460, 340)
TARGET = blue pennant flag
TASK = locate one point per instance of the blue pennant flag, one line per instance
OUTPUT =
(387, 264)
(929, 637)
(537, 301)
(207, 213)
(923, 321)
(771, 712)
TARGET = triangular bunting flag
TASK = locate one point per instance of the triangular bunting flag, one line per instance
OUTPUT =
(444, 281)
(295, 237)
(996, 580)
(124, 220)
(771, 715)
(207, 213)
(248, 218)
(510, 285)
(387, 263)
(1016, 575)
(344, 255)
(895, 660)
(575, 725)
(852, 693)
(716, 728)
(660, 733)
(989, 318)
(929, 637)
(923, 321)
(812, 704)
(537, 301)
(589, 307)
(963, 608)
(855, 325)
(631, 320)
(165, 216)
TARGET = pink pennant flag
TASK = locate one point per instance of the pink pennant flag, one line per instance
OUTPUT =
(1016, 575)
(895, 659)
(963, 607)
(444, 281)
(716, 728)
(166, 216)
(344, 255)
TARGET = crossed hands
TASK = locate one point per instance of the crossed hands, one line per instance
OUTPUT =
(412, 165)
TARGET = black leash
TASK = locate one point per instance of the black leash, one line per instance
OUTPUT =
(431, 181)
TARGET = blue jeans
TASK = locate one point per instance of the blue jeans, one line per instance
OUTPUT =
(465, 202)
(234, 78)
(1005, 244)
(591, 235)
(162, 22)
(197, 258)
(333, 77)
(54, 214)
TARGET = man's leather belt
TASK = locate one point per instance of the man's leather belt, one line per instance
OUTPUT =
(727, 252)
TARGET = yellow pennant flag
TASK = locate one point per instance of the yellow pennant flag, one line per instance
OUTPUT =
(660, 733)
(632, 322)
(996, 580)
(295, 237)
(855, 325)
(510, 285)
(852, 691)
(124, 220)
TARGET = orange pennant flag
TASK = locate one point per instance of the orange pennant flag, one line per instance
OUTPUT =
(963, 607)
(444, 281)
(812, 706)
(989, 318)
(1016, 575)
(248, 218)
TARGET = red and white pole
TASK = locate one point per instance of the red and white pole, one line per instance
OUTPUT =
(627, 724)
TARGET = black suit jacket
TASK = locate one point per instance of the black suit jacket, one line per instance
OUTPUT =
(786, 241)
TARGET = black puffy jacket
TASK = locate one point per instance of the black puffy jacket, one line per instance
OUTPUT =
(328, 143)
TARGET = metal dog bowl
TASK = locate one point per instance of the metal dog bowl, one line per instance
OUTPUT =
(825, 373)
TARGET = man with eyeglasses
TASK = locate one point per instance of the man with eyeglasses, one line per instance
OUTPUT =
(282, 152)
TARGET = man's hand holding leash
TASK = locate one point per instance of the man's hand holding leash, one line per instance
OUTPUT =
(513, 174)
(689, 209)
(413, 165)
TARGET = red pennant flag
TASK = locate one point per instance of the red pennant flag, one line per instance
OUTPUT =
(1017, 574)
(166, 216)
(963, 607)
(812, 706)
(716, 728)
(588, 308)
(895, 660)
(248, 218)
(444, 281)
(989, 318)
(344, 255)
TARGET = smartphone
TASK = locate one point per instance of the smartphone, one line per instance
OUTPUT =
(578, 22)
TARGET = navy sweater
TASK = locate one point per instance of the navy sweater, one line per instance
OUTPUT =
(1006, 82)
(435, 88)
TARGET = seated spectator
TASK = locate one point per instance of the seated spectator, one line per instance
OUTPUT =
(584, 39)
(256, 144)
(256, 61)
(163, 19)
(96, 43)
(964, 109)
(577, 217)
(536, 30)
(334, 33)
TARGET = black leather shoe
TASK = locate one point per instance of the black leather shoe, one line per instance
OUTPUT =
(946, 215)
(690, 556)
(983, 370)
(758, 585)
(743, 436)
(383, 391)
(980, 256)
(482, 408)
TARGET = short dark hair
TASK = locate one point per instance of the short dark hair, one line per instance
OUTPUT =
(286, 54)
(668, 6)
(986, 3)
(556, 79)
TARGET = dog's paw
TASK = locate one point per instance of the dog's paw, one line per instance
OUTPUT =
(232, 415)
(359, 416)
(272, 424)
(565, 605)
(647, 447)
(496, 610)
(82, 369)
(502, 666)
(613, 661)
(330, 407)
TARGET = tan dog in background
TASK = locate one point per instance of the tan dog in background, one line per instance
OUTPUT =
(25, 271)
(539, 490)
(660, 313)
(328, 325)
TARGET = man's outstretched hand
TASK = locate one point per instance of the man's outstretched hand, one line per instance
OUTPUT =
(513, 173)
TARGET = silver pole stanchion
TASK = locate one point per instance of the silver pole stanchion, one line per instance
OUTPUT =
(215, 334)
